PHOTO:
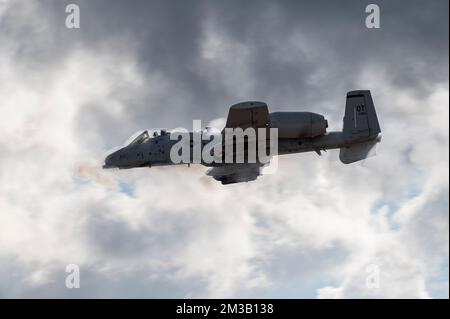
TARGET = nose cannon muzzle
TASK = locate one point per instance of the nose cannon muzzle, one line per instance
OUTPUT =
(110, 161)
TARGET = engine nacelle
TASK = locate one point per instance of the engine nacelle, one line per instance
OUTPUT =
(298, 124)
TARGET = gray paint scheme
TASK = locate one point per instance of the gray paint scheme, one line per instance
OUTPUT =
(298, 132)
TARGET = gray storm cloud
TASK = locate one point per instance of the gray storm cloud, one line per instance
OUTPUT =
(311, 230)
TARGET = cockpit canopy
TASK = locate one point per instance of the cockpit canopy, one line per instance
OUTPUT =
(141, 138)
(144, 136)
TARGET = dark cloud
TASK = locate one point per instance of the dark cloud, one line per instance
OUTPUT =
(166, 37)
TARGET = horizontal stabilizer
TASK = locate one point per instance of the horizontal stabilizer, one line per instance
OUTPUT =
(357, 152)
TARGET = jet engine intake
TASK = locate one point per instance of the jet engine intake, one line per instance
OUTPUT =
(298, 124)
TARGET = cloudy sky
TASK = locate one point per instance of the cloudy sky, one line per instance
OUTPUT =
(315, 229)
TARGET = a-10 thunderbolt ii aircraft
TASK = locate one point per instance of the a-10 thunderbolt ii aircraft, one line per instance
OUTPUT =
(297, 132)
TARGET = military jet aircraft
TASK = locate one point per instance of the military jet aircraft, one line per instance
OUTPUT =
(297, 132)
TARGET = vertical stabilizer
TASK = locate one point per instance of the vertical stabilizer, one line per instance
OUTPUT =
(361, 127)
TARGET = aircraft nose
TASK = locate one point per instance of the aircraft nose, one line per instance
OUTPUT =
(110, 160)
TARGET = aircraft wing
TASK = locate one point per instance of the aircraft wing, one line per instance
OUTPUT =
(248, 114)
(242, 115)
(235, 173)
